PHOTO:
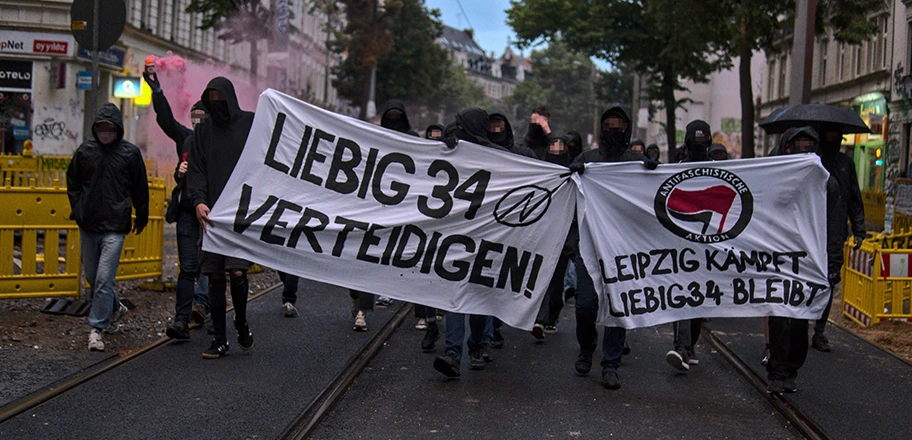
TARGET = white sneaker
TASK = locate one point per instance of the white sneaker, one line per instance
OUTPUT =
(290, 310)
(95, 342)
(422, 324)
(118, 314)
(383, 301)
(360, 322)
(676, 360)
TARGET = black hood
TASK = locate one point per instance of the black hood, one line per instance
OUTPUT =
(697, 151)
(717, 147)
(450, 129)
(575, 137)
(508, 141)
(604, 142)
(474, 123)
(109, 113)
(199, 106)
(789, 135)
(226, 88)
(653, 148)
(427, 131)
(404, 126)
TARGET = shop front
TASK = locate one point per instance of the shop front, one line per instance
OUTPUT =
(869, 148)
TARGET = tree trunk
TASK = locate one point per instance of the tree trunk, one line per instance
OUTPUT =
(668, 97)
(254, 59)
(747, 102)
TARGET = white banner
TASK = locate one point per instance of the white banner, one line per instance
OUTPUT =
(713, 239)
(334, 199)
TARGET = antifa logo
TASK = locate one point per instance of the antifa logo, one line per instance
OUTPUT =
(704, 205)
(522, 206)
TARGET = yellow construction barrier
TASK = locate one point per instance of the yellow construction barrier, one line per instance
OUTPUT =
(877, 284)
(39, 245)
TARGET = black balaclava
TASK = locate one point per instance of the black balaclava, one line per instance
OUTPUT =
(789, 136)
(827, 147)
(574, 144)
(697, 149)
(718, 148)
(225, 110)
(614, 141)
(427, 132)
(449, 130)
(505, 137)
(472, 126)
(400, 124)
(652, 152)
(197, 106)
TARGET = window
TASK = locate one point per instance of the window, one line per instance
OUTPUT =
(136, 12)
(783, 69)
(842, 61)
(823, 62)
(151, 19)
(167, 18)
(858, 64)
(884, 42)
(874, 50)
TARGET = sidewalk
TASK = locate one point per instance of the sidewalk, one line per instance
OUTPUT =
(857, 391)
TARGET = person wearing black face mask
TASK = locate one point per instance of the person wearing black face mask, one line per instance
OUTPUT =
(841, 167)
(106, 180)
(539, 134)
(697, 141)
(500, 132)
(788, 342)
(434, 132)
(395, 118)
(613, 146)
(652, 152)
(217, 145)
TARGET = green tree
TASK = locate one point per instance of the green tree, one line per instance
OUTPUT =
(663, 40)
(239, 21)
(561, 80)
(761, 24)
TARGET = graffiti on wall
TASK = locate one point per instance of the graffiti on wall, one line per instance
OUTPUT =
(57, 127)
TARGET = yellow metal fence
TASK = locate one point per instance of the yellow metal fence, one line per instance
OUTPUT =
(39, 245)
(877, 281)
(875, 206)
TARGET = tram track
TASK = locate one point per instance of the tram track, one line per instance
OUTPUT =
(31, 402)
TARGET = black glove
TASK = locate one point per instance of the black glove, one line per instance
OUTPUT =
(858, 240)
(577, 167)
(152, 81)
(650, 164)
(451, 142)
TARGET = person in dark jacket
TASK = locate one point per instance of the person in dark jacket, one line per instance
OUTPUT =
(539, 134)
(788, 337)
(718, 152)
(449, 130)
(842, 168)
(434, 132)
(652, 152)
(500, 132)
(638, 146)
(697, 140)
(471, 126)
(680, 153)
(613, 146)
(192, 299)
(395, 118)
(105, 180)
(216, 147)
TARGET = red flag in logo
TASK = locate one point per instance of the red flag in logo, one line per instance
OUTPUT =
(699, 206)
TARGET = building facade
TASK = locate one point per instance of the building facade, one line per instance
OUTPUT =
(498, 76)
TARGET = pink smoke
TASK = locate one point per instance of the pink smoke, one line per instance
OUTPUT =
(183, 83)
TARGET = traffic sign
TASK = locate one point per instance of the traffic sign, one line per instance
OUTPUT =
(111, 22)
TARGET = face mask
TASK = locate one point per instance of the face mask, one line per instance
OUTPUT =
(697, 150)
(497, 137)
(106, 137)
(536, 130)
(613, 140)
(219, 111)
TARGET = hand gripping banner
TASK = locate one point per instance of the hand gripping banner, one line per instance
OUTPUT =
(714, 239)
(333, 199)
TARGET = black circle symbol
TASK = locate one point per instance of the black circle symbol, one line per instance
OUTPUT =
(522, 206)
(703, 203)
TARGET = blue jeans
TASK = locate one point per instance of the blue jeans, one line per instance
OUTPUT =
(481, 332)
(100, 257)
(570, 277)
(188, 238)
(587, 306)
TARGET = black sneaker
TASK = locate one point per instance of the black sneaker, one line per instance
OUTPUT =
(570, 292)
(179, 330)
(448, 365)
(583, 364)
(431, 335)
(245, 337)
(486, 354)
(775, 387)
(550, 329)
(626, 349)
(789, 385)
(821, 343)
(216, 350)
(538, 331)
(198, 315)
(498, 341)
(611, 380)
(476, 362)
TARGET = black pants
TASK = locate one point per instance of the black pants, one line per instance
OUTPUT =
(428, 313)
(289, 288)
(820, 324)
(788, 347)
(553, 302)
(686, 335)
(218, 302)
(188, 237)
(365, 300)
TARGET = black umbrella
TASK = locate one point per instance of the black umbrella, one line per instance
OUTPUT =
(814, 115)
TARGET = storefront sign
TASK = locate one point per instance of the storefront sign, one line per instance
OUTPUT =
(41, 43)
(21, 132)
(127, 87)
(15, 74)
(113, 57)
(84, 80)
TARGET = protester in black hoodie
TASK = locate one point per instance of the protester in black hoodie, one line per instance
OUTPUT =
(718, 152)
(652, 152)
(395, 118)
(471, 126)
(538, 136)
(788, 343)
(697, 140)
(434, 132)
(106, 177)
(192, 300)
(842, 168)
(614, 146)
(216, 147)
(500, 132)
